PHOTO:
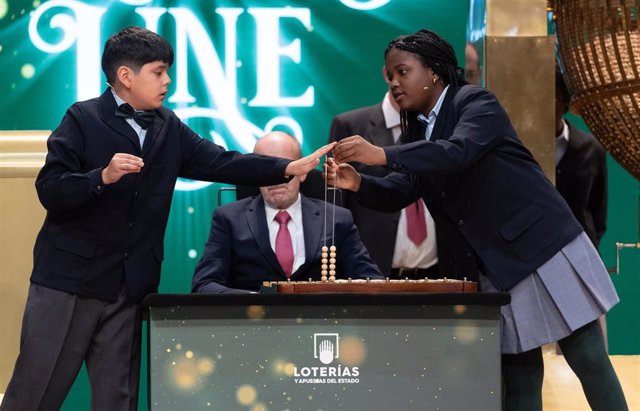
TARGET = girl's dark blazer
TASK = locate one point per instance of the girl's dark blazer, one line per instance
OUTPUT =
(476, 174)
(98, 238)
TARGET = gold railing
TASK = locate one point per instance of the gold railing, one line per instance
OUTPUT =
(22, 154)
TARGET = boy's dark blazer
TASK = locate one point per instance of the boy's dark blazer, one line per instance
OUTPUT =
(581, 178)
(475, 174)
(97, 237)
(238, 255)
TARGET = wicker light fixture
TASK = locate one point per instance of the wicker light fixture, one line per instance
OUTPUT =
(599, 47)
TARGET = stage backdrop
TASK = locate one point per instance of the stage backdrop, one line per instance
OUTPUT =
(242, 67)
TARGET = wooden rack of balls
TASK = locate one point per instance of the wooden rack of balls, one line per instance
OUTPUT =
(426, 285)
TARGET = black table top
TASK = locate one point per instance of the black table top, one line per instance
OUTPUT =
(168, 300)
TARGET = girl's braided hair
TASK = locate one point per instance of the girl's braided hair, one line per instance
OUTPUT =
(435, 53)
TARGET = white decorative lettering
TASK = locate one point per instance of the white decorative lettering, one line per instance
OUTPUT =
(87, 23)
(269, 53)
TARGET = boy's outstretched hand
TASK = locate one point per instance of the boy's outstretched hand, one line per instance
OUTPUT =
(121, 164)
(342, 175)
(308, 163)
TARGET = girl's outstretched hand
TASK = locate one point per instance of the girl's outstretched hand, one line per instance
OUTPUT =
(356, 148)
(342, 175)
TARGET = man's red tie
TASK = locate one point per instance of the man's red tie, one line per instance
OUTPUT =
(284, 247)
(416, 223)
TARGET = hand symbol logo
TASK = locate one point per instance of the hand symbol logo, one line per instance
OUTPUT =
(326, 352)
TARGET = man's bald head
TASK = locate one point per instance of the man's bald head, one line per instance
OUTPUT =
(472, 68)
(278, 144)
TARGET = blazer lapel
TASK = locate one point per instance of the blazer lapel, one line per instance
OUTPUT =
(155, 136)
(152, 143)
(313, 231)
(573, 147)
(108, 115)
(377, 131)
(257, 222)
(442, 118)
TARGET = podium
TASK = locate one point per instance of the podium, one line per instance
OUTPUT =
(325, 351)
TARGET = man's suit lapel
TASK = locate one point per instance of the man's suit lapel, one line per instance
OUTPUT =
(257, 222)
(108, 115)
(377, 130)
(313, 229)
(573, 147)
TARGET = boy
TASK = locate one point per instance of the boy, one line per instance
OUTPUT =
(107, 185)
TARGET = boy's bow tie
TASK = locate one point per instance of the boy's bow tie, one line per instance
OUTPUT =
(143, 118)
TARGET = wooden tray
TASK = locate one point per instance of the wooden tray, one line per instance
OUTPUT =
(371, 286)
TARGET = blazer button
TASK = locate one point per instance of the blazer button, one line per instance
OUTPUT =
(469, 255)
(461, 222)
(98, 188)
(126, 255)
(130, 225)
(443, 195)
(136, 194)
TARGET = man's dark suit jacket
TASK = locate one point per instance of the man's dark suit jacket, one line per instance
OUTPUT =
(475, 174)
(379, 229)
(97, 237)
(581, 178)
(238, 256)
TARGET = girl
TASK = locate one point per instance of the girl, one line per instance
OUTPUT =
(463, 157)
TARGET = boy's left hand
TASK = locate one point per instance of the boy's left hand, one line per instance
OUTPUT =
(308, 163)
(120, 165)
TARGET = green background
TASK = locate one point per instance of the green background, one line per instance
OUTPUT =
(341, 57)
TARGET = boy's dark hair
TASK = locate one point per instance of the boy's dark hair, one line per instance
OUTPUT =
(562, 92)
(437, 54)
(134, 47)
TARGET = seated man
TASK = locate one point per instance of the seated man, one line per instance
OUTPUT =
(278, 235)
